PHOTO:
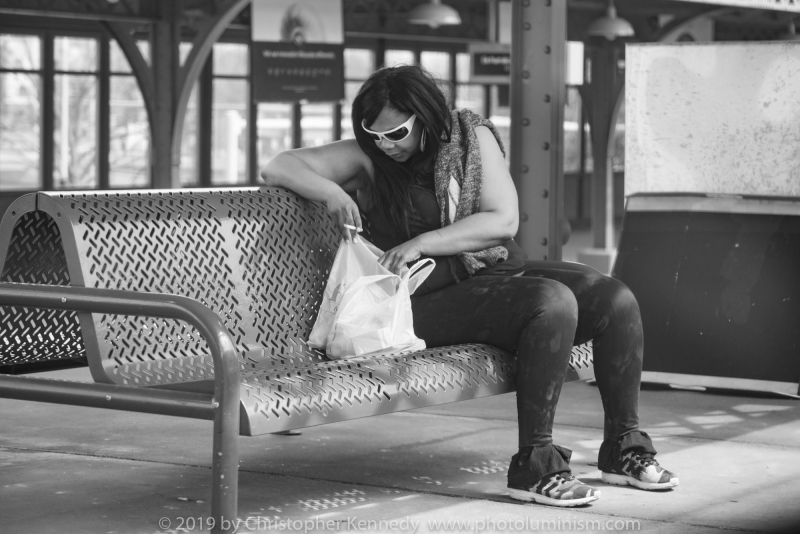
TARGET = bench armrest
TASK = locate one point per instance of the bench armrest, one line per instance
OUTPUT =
(224, 404)
(120, 302)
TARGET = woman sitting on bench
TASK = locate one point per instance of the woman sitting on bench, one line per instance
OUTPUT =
(427, 182)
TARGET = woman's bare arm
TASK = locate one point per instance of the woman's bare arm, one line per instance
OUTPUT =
(495, 222)
(328, 173)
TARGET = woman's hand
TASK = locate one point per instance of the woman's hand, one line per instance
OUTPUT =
(394, 260)
(344, 209)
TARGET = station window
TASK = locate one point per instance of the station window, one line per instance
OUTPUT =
(359, 63)
(78, 86)
(75, 113)
(229, 118)
(189, 175)
(274, 122)
(20, 111)
(129, 128)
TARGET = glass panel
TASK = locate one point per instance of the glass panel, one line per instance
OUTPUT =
(144, 48)
(589, 165)
(501, 118)
(274, 130)
(230, 59)
(116, 58)
(317, 124)
(20, 141)
(618, 158)
(447, 89)
(572, 134)
(20, 52)
(462, 67)
(358, 63)
(75, 132)
(398, 57)
(75, 54)
(437, 63)
(183, 52)
(129, 143)
(229, 132)
(470, 97)
(189, 142)
(350, 92)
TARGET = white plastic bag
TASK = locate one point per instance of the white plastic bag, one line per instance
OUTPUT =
(366, 309)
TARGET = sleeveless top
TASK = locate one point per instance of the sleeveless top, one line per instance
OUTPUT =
(425, 217)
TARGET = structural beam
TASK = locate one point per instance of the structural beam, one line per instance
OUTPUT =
(141, 70)
(164, 46)
(538, 52)
(203, 43)
(603, 92)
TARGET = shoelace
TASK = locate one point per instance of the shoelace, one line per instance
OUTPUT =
(560, 479)
(644, 459)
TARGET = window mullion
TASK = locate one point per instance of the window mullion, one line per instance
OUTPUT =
(104, 116)
(48, 112)
(205, 103)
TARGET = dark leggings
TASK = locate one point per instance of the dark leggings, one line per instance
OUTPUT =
(540, 314)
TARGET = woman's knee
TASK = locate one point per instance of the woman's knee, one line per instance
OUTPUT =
(558, 308)
(619, 298)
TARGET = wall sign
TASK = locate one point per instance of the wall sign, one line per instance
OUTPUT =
(489, 63)
(298, 50)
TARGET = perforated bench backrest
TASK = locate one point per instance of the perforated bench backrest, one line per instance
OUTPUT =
(258, 257)
(34, 254)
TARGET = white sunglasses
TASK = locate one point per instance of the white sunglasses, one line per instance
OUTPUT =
(395, 135)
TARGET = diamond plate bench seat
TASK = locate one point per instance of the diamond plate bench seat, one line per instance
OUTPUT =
(259, 259)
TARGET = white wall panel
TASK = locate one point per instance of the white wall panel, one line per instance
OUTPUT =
(713, 118)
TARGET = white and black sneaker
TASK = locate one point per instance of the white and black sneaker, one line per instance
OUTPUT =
(561, 489)
(640, 470)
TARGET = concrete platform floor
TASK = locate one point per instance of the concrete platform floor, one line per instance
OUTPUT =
(83, 470)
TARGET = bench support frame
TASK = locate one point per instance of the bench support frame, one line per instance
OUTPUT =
(222, 407)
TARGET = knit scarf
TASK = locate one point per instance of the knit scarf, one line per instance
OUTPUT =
(458, 177)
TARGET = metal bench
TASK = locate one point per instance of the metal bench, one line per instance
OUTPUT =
(198, 303)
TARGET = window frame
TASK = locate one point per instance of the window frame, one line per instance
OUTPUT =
(48, 29)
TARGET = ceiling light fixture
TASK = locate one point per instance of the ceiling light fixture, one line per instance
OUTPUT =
(610, 26)
(434, 14)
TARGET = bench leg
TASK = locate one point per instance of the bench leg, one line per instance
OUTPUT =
(225, 469)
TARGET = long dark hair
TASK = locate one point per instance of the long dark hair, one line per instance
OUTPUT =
(407, 89)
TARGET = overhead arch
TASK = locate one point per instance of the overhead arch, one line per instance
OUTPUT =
(141, 70)
(208, 34)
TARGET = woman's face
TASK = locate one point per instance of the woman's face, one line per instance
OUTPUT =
(402, 150)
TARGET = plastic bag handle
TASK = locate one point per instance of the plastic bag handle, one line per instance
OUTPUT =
(416, 275)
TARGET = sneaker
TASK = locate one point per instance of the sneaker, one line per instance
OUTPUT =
(561, 489)
(640, 470)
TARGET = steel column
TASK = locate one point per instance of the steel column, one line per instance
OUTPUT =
(605, 86)
(104, 122)
(538, 53)
(205, 126)
(164, 56)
